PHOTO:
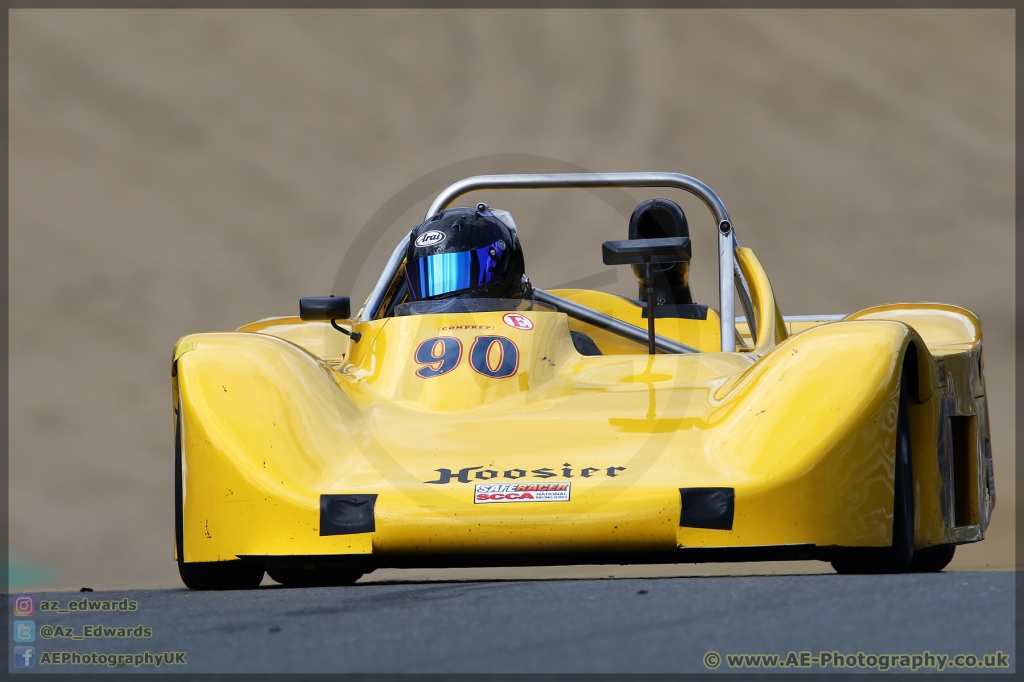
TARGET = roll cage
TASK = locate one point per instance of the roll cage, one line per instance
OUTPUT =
(730, 276)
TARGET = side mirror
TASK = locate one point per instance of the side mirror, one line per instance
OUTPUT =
(645, 252)
(641, 251)
(317, 308)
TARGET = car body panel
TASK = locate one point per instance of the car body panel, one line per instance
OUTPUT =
(804, 434)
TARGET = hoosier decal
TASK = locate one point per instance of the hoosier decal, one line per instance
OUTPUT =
(478, 472)
(487, 493)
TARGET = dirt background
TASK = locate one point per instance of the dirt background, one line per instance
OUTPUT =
(180, 171)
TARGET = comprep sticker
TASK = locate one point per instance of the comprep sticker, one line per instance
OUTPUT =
(487, 493)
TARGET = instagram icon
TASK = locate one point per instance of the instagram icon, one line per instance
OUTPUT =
(24, 605)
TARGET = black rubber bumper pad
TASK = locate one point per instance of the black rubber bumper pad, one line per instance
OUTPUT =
(346, 514)
(707, 508)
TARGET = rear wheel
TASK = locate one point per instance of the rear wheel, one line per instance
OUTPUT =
(932, 559)
(899, 557)
(315, 575)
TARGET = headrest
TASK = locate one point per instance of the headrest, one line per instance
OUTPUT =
(656, 219)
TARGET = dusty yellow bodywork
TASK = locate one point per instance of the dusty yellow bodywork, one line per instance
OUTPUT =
(800, 424)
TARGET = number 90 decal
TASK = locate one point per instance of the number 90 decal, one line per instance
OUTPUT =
(440, 354)
(495, 357)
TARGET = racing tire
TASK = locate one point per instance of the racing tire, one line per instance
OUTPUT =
(315, 575)
(220, 575)
(899, 557)
(932, 559)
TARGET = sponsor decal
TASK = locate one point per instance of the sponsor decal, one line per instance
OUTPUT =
(479, 473)
(430, 238)
(517, 321)
(455, 327)
(488, 493)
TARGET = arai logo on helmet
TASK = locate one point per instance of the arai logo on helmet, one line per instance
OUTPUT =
(430, 238)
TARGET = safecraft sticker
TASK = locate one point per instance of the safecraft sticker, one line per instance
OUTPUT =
(487, 493)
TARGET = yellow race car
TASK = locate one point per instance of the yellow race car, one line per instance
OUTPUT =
(464, 417)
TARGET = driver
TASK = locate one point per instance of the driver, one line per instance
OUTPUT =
(471, 253)
(465, 252)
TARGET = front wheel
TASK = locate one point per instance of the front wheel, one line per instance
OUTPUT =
(899, 557)
(314, 575)
(220, 575)
(932, 559)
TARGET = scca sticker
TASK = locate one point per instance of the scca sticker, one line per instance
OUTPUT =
(488, 493)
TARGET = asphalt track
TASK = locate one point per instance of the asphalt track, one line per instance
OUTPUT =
(663, 625)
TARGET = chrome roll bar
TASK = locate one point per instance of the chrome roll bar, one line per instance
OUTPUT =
(611, 324)
(729, 274)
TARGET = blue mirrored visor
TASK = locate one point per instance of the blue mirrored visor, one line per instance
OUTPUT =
(446, 273)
